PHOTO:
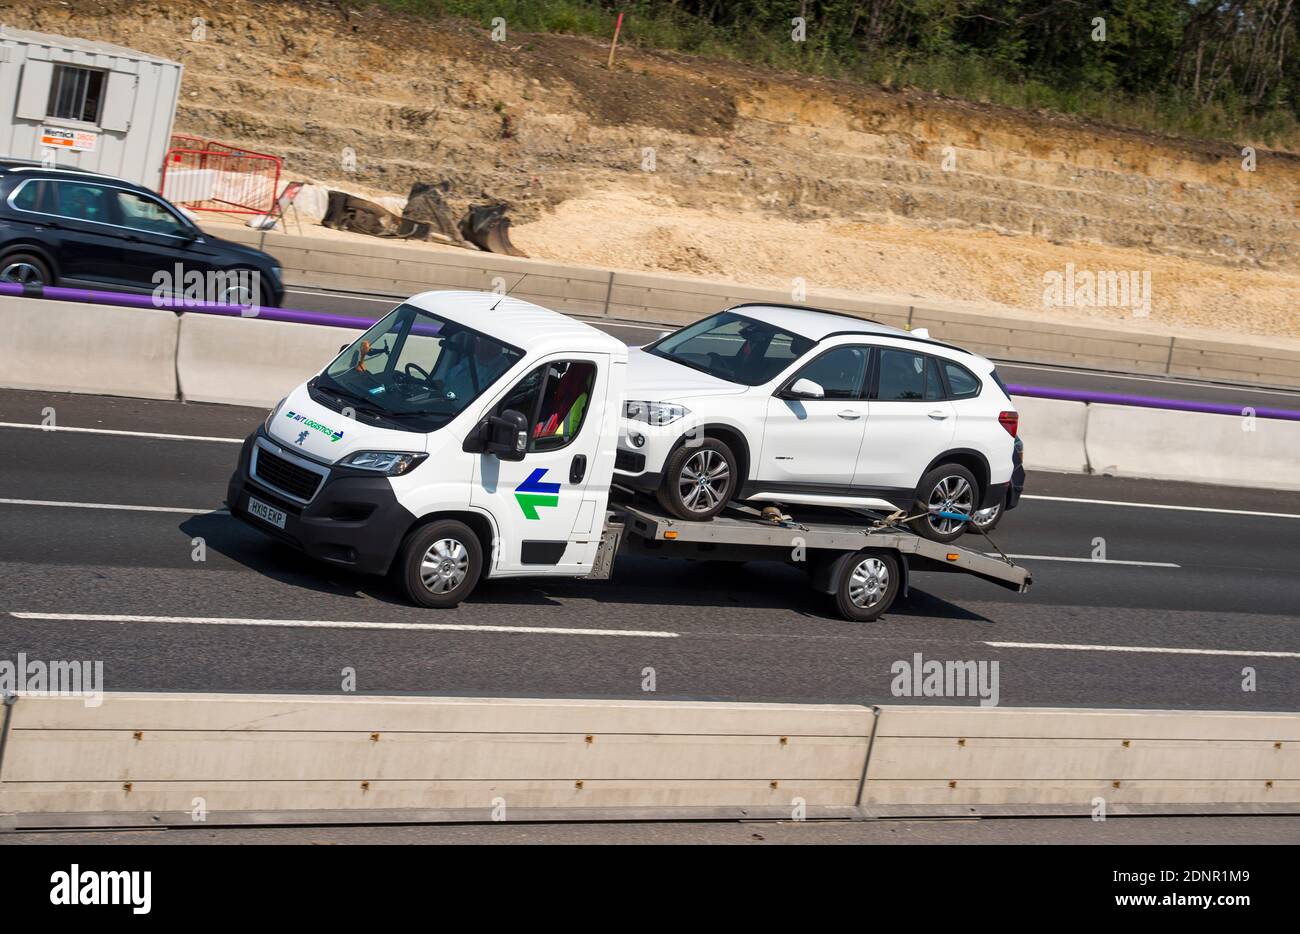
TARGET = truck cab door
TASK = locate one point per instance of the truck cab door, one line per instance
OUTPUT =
(549, 506)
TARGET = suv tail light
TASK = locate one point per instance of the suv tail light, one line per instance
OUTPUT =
(1010, 421)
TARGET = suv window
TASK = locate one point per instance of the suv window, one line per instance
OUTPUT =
(555, 397)
(902, 376)
(144, 213)
(961, 381)
(83, 201)
(35, 196)
(840, 372)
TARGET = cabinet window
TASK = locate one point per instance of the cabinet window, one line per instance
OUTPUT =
(76, 94)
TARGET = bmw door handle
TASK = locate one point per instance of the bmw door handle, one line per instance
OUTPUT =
(850, 415)
(938, 416)
(577, 468)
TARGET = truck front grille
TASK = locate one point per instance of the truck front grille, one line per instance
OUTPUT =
(285, 475)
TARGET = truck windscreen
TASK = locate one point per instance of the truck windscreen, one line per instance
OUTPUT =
(418, 368)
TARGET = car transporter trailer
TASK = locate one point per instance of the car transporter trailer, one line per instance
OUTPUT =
(864, 566)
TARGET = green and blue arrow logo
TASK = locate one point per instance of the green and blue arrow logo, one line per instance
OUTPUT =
(533, 493)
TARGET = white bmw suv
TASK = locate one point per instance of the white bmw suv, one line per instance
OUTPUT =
(778, 404)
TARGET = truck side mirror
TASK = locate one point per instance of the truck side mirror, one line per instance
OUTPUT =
(506, 435)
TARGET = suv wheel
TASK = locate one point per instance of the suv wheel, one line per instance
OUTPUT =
(698, 480)
(947, 488)
(25, 269)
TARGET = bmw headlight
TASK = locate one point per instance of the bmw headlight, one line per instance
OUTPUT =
(654, 413)
(389, 463)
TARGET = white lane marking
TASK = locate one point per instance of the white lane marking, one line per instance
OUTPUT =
(55, 502)
(1162, 650)
(343, 624)
(1119, 502)
(1136, 564)
(130, 434)
(1009, 365)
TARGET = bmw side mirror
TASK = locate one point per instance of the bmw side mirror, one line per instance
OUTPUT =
(804, 389)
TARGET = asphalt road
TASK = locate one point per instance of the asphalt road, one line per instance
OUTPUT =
(1186, 599)
(1020, 374)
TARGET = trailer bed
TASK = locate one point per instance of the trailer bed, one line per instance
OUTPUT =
(741, 533)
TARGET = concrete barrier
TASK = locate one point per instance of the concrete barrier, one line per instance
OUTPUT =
(958, 760)
(88, 348)
(246, 361)
(1053, 431)
(1167, 445)
(156, 759)
(146, 758)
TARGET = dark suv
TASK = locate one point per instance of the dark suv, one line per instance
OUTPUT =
(73, 228)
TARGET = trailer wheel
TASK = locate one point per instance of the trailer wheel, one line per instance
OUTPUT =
(439, 564)
(867, 586)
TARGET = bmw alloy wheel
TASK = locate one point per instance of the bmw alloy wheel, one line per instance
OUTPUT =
(704, 480)
(951, 494)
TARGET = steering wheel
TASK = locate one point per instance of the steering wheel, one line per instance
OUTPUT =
(420, 373)
(721, 362)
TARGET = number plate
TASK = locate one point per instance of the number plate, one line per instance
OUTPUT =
(266, 513)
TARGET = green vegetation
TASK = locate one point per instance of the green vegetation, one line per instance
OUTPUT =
(1220, 69)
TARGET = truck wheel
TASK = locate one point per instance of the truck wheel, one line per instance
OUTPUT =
(439, 563)
(698, 480)
(868, 586)
(946, 488)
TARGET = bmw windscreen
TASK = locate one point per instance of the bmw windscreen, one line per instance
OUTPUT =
(733, 347)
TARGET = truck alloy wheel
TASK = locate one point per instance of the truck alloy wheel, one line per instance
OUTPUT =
(868, 586)
(439, 563)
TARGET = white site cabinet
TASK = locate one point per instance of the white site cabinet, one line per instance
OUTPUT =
(92, 105)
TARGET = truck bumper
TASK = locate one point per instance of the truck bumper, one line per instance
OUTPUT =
(353, 521)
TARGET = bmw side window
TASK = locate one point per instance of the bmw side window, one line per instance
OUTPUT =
(840, 372)
(902, 376)
(143, 213)
(961, 381)
(555, 397)
(83, 202)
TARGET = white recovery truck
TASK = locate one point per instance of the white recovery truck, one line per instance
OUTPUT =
(467, 435)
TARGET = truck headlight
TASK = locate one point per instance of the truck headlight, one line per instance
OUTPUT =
(270, 416)
(654, 413)
(389, 463)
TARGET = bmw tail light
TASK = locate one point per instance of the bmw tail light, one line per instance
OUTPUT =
(1010, 421)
